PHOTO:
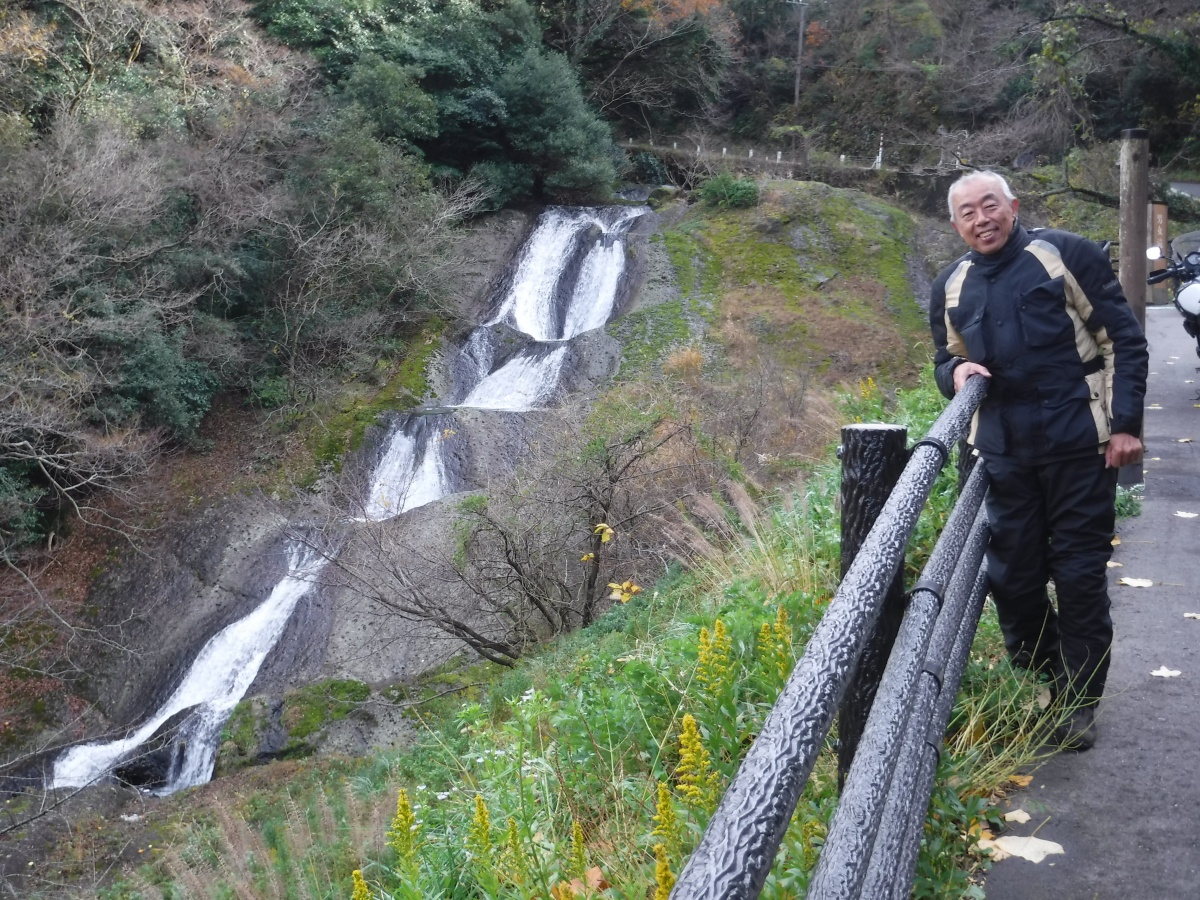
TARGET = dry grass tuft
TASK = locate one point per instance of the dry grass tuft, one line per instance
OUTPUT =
(686, 363)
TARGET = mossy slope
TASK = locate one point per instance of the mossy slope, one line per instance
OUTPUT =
(814, 277)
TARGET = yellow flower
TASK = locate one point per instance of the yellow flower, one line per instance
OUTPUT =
(512, 860)
(578, 856)
(664, 879)
(404, 835)
(479, 835)
(361, 891)
(715, 670)
(694, 775)
(666, 824)
(774, 652)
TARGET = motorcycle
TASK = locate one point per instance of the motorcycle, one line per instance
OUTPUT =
(1184, 268)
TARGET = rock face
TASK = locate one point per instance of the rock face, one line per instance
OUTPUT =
(172, 597)
(158, 758)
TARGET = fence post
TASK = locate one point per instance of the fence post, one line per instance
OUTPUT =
(873, 456)
(1135, 153)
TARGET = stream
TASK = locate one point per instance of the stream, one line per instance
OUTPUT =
(565, 280)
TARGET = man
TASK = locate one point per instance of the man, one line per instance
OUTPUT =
(1043, 318)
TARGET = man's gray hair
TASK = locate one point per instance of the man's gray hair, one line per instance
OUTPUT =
(978, 175)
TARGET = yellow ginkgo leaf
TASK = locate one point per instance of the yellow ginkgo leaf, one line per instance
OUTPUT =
(1113, 564)
(623, 591)
(1135, 582)
(1183, 441)
(1021, 780)
(1116, 540)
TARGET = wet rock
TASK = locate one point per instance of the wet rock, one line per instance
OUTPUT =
(159, 758)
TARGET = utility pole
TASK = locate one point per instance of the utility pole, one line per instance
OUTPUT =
(800, 4)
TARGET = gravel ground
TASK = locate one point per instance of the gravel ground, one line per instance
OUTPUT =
(1125, 812)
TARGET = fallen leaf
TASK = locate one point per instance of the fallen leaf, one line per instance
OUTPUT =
(1191, 615)
(1184, 441)
(1189, 381)
(1017, 815)
(1113, 564)
(1164, 672)
(1155, 459)
(1135, 582)
(1186, 515)
(1030, 848)
(1153, 406)
(595, 879)
(1021, 780)
(996, 853)
(1174, 357)
(1115, 541)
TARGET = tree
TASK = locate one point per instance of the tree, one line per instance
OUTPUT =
(551, 130)
(592, 505)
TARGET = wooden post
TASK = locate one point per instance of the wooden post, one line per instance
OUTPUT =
(1160, 294)
(1135, 191)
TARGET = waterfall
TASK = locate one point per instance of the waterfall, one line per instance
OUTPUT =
(214, 684)
(412, 471)
(565, 281)
(525, 382)
(567, 273)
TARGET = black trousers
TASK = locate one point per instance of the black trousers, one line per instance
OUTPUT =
(1054, 521)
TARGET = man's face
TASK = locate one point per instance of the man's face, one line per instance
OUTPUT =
(983, 216)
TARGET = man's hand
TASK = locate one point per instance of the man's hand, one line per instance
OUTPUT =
(963, 371)
(1122, 450)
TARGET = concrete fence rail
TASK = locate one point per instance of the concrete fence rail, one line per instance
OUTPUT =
(871, 848)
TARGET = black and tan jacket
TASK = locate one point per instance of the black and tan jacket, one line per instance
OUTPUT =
(1047, 317)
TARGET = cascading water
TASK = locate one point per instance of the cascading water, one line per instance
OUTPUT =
(218, 678)
(567, 274)
(412, 471)
(565, 282)
(525, 382)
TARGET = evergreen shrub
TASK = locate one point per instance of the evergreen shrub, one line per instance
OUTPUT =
(726, 192)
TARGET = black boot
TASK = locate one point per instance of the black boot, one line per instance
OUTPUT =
(1077, 732)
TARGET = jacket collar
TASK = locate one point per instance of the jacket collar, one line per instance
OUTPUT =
(990, 262)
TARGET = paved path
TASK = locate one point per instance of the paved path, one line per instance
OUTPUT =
(1127, 813)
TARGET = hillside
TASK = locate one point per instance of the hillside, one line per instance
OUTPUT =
(743, 316)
